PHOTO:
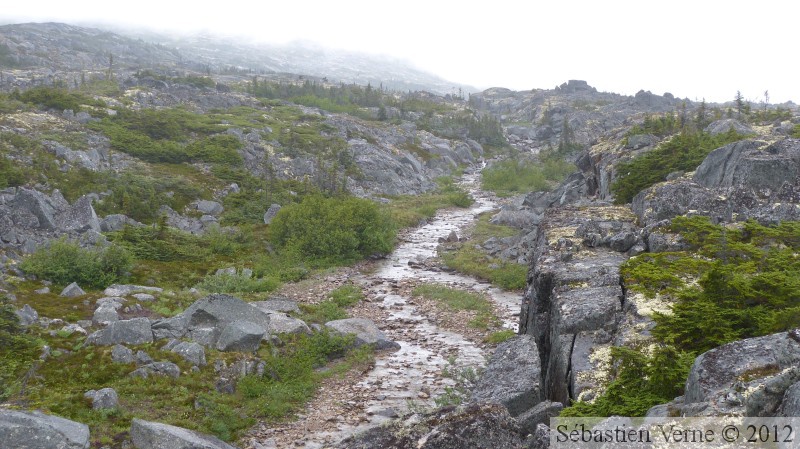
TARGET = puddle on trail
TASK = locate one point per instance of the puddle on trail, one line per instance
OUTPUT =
(413, 374)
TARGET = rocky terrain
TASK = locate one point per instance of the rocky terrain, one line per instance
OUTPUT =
(176, 173)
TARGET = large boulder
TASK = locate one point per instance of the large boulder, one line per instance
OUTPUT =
(209, 207)
(153, 435)
(167, 369)
(747, 377)
(204, 320)
(190, 351)
(117, 222)
(133, 332)
(513, 376)
(475, 426)
(38, 204)
(751, 164)
(365, 332)
(35, 430)
(27, 315)
(103, 399)
(80, 217)
(271, 213)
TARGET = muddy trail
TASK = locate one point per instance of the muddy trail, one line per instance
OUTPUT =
(413, 376)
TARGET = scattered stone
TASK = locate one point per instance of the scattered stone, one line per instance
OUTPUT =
(270, 214)
(365, 331)
(27, 315)
(144, 297)
(157, 369)
(143, 358)
(72, 290)
(35, 430)
(209, 207)
(42, 291)
(281, 323)
(152, 435)
(191, 352)
(122, 354)
(103, 399)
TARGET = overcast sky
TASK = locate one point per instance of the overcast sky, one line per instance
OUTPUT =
(694, 49)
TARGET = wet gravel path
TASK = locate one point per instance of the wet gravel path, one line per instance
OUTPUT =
(431, 341)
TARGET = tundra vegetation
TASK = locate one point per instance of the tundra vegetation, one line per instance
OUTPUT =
(733, 282)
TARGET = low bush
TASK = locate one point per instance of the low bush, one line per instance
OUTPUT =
(237, 283)
(513, 176)
(64, 262)
(18, 350)
(331, 231)
(683, 152)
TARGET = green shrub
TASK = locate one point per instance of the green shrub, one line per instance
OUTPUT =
(683, 152)
(640, 382)
(329, 231)
(236, 283)
(18, 350)
(512, 176)
(56, 98)
(333, 308)
(64, 262)
(220, 148)
(346, 295)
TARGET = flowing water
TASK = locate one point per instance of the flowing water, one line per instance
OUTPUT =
(413, 375)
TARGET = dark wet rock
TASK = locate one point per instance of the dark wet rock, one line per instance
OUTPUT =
(748, 377)
(134, 332)
(27, 315)
(72, 290)
(540, 439)
(243, 336)
(790, 405)
(103, 399)
(35, 430)
(365, 331)
(530, 420)
(167, 369)
(725, 125)
(512, 376)
(469, 427)
(152, 435)
(122, 354)
(271, 213)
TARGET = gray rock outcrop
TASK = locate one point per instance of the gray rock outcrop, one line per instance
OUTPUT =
(725, 125)
(167, 369)
(365, 332)
(512, 376)
(35, 430)
(152, 435)
(746, 377)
